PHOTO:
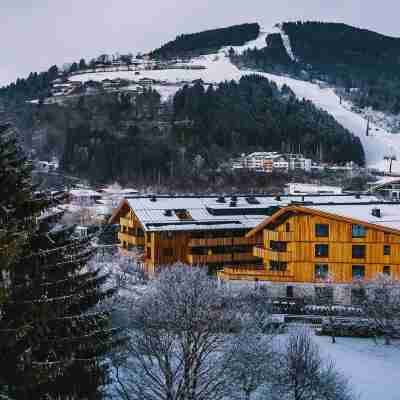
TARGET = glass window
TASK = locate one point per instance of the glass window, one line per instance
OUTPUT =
(321, 230)
(386, 270)
(148, 253)
(278, 246)
(358, 231)
(358, 251)
(357, 295)
(321, 250)
(287, 227)
(358, 271)
(321, 271)
(289, 291)
(386, 250)
(277, 266)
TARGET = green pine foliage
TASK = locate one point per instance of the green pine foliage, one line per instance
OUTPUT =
(207, 41)
(255, 114)
(52, 339)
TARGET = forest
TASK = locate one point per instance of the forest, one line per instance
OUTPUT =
(364, 63)
(207, 41)
(111, 140)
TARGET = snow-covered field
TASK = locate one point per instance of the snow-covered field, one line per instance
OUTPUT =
(219, 68)
(373, 369)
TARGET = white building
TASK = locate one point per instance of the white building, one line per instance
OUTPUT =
(307, 188)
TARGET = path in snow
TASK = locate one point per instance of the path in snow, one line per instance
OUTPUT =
(219, 68)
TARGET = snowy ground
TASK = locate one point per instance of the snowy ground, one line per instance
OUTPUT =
(219, 68)
(372, 369)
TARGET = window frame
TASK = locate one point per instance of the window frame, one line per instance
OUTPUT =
(359, 246)
(323, 234)
(361, 267)
(321, 245)
(319, 265)
(361, 228)
(385, 248)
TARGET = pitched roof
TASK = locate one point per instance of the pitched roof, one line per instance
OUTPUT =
(360, 214)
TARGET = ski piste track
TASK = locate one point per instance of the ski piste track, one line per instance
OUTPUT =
(218, 68)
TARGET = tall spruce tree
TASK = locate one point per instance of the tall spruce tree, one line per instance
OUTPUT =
(52, 338)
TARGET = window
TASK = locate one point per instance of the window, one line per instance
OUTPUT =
(358, 231)
(321, 271)
(287, 227)
(278, 246)
(148, 238)
(277, 266)
(386, 270)
(386, 250)
(321, 230)
(166, 235)
(289, 291)
(168, 252)
(358, 271)
(148, 253)
(358, 251)
(321, 250)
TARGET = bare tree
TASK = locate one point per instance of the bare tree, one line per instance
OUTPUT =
(304, 375)
(179, 339)
(250, 364)
(381, 306)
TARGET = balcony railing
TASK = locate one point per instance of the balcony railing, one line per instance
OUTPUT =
(273, 255)
(215, 242)
(278, 236)
(126, 222)
(196, 259)
(259, 251)
(132, 240)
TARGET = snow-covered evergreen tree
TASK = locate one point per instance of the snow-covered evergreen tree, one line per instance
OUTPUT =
(52, 338)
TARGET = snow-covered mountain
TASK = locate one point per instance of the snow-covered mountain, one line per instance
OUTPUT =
(217, 67)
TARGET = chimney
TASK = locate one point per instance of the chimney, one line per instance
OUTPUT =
(376, 212)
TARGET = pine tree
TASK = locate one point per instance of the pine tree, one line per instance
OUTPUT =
(52, 339)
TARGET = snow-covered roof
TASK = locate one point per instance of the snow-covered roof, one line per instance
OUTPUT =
(204, 213)
(390, 213)
(84, 193)
(313, 188)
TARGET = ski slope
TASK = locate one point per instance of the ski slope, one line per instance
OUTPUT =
(377, 145)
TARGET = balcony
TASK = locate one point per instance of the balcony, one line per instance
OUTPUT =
(196, 259)
(278, 236)
(126, 222)
(259, 251)
(217, 242)
(244, 257)
(256, 273)
(132, 240)
(278, 255)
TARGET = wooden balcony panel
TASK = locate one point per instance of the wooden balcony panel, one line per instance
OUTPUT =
(244, 257)
(278, 255)
(195, 259)
(278, 236)
(132, 240)
(126, 222)
(214, 242)
(259, 251)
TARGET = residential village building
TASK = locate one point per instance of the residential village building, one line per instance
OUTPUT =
(294, 244)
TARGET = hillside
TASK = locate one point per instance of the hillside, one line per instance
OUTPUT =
(273, 47)
(364, 63)
(208, 41)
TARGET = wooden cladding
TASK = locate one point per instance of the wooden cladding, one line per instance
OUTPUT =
(215, 242)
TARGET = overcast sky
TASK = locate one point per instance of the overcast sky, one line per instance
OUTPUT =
(35, 34)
